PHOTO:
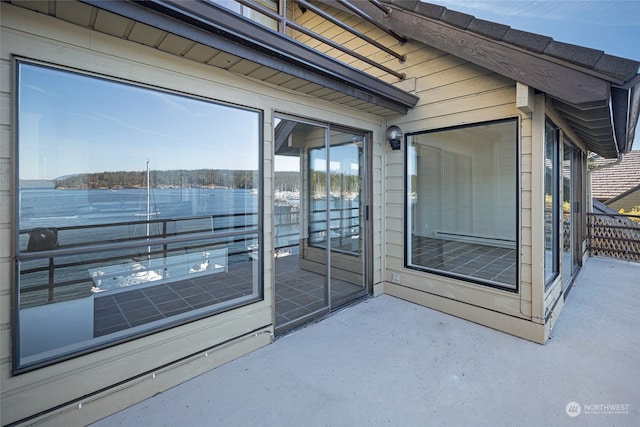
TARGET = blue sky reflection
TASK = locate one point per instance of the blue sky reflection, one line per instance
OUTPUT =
(72, 123)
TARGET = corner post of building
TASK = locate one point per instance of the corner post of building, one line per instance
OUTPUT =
(537, 205)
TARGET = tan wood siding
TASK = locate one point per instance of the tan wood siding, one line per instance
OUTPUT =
(32, 35)
(453, 92)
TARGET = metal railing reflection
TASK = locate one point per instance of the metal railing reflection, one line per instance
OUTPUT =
(50, 258)
(54, 258)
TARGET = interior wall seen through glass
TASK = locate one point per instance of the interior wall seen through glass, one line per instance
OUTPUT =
(319, 227)
(136, 209)
(462, 205)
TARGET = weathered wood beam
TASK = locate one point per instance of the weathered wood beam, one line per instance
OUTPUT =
(524, 98)
(557, 80)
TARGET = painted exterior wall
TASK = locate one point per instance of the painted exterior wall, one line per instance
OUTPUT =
(627, 202)
(452, 92)
(119, 376)
(554, 293)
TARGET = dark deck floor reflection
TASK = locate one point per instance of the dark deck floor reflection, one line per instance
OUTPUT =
(494, 264)
(300, 292)
(123, 310)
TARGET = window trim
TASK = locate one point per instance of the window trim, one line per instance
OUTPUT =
(555, 208)
(17, 255)
(516, 121)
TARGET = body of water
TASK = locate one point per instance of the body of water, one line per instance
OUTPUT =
(91, 217)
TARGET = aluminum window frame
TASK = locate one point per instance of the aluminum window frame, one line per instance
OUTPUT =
(516, 120)
(17, 255)
(555, 205)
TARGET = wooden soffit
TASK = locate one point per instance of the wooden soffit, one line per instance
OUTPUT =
(204, 32)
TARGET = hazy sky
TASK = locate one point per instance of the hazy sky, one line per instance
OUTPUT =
(71, 123)
(611, 26)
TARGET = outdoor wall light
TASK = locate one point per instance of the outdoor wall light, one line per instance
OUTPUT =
(394, 136)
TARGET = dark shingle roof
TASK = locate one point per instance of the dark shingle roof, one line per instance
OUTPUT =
(596, 94)
(613, 181)
(618, 69)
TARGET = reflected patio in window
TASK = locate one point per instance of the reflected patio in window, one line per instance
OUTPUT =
(138, 210)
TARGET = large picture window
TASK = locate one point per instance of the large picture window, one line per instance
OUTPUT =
(462, 202)
(137, 210)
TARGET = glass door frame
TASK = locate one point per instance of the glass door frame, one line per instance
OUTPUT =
(339, 255)
(576, 200)
(364, 212)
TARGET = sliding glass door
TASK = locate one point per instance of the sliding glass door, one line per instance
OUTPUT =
(345, 213)
(319, 227)
(572, 211)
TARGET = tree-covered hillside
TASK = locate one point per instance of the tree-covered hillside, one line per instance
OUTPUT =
(207, 178)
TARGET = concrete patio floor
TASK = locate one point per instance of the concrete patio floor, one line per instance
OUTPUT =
(387, 362)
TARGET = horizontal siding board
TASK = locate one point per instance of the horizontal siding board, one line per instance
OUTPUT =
(456, 74)
(395, 183)
(463, 89)
(417, 121)
(425, 70)
(526, 202)
(516, 325)
(395, 197)
(460, 290)
(5, 70)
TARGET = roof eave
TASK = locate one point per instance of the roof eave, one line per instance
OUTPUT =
(218, 27)
(496, 48)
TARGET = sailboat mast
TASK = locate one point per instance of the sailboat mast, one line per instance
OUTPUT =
(148, 199)
(148, 208)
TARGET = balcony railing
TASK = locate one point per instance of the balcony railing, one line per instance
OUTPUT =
(56, 259)
(614, 235)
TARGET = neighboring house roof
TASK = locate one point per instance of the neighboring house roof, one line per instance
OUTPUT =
(601, 208)
(618, 179)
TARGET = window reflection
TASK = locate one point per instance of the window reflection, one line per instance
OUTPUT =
(551, 200)
(462, 202)
(137, 209)
(250, 13)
